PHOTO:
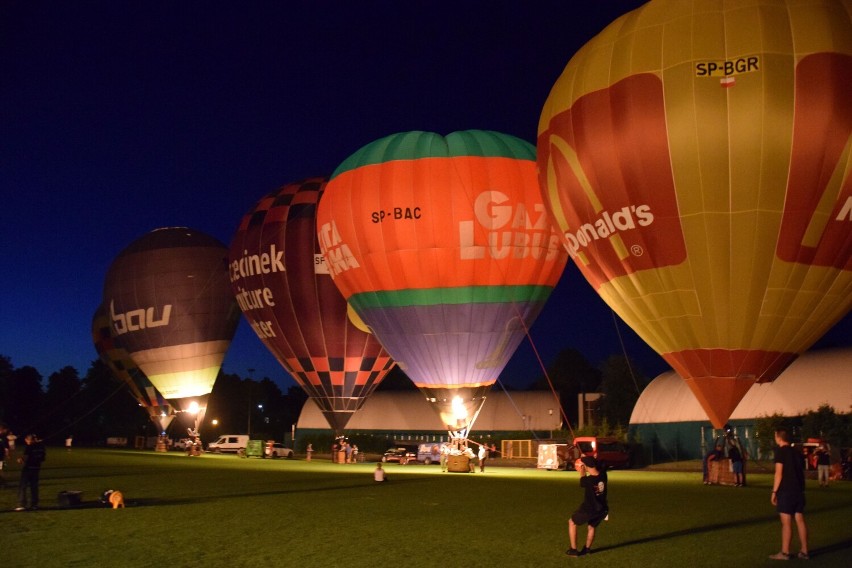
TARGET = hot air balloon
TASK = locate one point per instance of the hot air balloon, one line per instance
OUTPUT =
(696, 158)
(124, 370)
(286, 293)
(171, 309)
(443, 248)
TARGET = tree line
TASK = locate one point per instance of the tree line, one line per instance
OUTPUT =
(95, 406)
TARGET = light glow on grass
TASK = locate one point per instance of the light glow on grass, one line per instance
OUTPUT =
(511, 516)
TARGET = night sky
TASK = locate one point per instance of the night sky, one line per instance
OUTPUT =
(117, 118)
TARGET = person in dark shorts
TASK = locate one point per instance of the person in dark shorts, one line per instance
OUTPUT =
(736, 458)
(31, 460)
(788, 496)
(594, 507)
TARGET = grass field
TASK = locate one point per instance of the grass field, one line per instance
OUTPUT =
(226, 511)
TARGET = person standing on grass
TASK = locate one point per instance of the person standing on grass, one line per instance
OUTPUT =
(594, 507)
(736, 463)
(483, 456)
(788, 496)
(823, 460)
(4, 452)
(31, 460)
(711, 456)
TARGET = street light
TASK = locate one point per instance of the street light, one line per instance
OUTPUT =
(251, 383)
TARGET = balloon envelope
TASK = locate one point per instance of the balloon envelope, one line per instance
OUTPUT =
(172, 309)
(443, 248)
(696, 158)
(286, 293)
(124, 370)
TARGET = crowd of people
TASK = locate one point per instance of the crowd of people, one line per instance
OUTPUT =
(343, 452)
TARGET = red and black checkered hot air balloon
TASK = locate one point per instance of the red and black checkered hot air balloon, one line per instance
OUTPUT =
(696, 158)
(124, 370)
(285, 292)
(172, 310)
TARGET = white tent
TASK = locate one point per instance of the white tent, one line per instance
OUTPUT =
(815, 378)
(408, 411)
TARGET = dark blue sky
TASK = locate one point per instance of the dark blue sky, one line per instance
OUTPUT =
(117, 118)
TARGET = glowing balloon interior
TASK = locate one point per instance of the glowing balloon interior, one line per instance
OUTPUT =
(696, 158)
(124, 370)
(443, 248)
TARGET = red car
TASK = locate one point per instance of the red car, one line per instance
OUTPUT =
(610, 451)
(401, 455)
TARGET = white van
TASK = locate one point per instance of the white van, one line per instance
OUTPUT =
(229, 443)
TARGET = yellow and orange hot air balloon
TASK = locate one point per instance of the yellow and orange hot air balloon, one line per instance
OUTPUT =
(443, 248)
(696, 157)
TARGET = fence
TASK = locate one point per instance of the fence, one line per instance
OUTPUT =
(518, 449)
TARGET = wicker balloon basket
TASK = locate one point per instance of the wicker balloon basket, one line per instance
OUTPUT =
(458, 464)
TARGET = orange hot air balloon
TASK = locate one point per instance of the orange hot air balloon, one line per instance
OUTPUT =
(124, 370)
(286, 293)
(171, 308)
(696, 158)
(442, 247)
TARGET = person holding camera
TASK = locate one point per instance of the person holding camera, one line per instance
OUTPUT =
(31, 460)
(593, 509)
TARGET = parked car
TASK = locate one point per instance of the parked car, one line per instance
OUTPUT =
(401, 455)
(278, 450)
(430, 453)
(182, 444)
(229, 443)
(609, 451)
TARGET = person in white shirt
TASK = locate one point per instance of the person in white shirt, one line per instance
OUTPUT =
(379, 473)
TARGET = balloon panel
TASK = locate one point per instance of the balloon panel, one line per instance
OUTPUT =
(443, 248)
(287, 295)
(696, 159)
(172, 309)
(474, 333)
(121, 366)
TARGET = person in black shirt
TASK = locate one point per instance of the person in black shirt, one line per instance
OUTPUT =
(34, 455)
(594, 507)
(788, 495)
(736, 463)
(4, 452)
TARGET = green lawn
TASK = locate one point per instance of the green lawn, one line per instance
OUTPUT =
(226, 511)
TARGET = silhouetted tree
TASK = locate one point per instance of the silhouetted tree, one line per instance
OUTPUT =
(5, 378)
(826, 423)
(105, 408)
(60, 403)
(228, 404)
(24, 399)
(571, 374)
(621, 384)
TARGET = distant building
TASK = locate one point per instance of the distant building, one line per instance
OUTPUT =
(668, 419)
(406, 415)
